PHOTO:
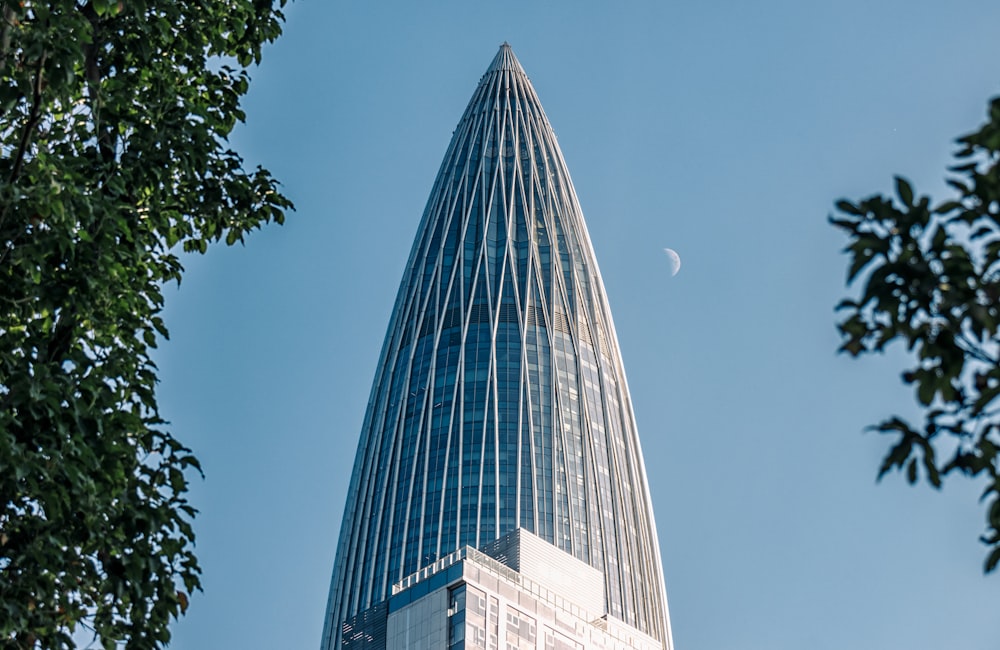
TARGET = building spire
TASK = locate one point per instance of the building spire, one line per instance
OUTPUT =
(505, 60)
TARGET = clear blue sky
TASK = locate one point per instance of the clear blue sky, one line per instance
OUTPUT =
(723, 130)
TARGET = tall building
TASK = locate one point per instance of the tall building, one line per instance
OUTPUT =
(499, 497)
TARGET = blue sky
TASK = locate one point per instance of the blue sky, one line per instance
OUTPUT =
(719, 129)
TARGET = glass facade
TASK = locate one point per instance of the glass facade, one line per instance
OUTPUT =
(500, 400)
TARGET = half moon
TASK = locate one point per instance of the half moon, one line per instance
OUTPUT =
(675, 260)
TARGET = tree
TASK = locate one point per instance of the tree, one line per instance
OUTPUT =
(930, 279)
(114, 119)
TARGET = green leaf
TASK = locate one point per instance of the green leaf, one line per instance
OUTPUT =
(849, 208)
(904, 190)
(992, 560)
(926, 389)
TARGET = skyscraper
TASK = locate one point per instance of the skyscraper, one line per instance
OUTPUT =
(499, 449)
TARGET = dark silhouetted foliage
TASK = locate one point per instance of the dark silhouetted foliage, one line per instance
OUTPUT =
(113, 158)
(929, 277)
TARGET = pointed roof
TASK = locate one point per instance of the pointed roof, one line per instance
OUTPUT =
(505, 60)
(503, 80)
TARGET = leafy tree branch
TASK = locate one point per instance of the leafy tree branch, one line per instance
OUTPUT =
(929, 277)
(114, 119)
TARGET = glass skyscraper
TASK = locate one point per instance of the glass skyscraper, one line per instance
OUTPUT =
(499, 424)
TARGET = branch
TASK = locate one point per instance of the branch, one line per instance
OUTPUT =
(92, 71)
(33, 117)
(970, 347)
(29, 129)
(8, 21)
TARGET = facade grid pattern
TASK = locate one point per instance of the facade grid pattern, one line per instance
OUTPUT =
(500, 399)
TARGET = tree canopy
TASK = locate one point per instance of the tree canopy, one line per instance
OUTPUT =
(929, 277)
(114, 119)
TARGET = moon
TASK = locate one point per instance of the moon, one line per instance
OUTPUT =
(675, 260)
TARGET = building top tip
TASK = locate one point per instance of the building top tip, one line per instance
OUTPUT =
(505, 60)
